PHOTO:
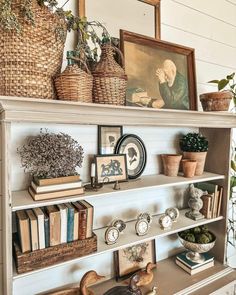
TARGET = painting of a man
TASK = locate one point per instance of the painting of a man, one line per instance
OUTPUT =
(173, 86)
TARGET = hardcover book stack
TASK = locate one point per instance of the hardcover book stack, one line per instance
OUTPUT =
(193, 267)
(43, 189)
(212, 200)
(39, 228)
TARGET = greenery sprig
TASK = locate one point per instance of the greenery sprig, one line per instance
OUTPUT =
(193, 142)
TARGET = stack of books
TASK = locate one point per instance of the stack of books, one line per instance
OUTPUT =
(42, 189)
(193, 267)
(212, 200)
(39, 228)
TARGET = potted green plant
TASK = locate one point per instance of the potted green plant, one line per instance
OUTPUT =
(195, 147)
(220, 101)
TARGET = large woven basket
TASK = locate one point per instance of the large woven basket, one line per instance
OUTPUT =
(110, 81)
(74, 83)
(30, 59)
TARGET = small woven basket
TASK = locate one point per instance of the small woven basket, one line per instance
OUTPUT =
(74, 83)
(31, 59)
(110, 80)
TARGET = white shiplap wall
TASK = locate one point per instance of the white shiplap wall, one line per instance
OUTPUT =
(207, 26)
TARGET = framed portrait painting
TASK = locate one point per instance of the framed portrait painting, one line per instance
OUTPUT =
(160, 74)
(107, 138)
(110, 168)
(133, 258)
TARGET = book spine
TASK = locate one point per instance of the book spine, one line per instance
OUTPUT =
(82, 224)
(41, 232)
(47, 232)
(70, 225)
(63, 226)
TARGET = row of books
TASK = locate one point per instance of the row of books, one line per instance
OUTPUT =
(193, 267)
(212, 200)
(39, 228)
(42, 189)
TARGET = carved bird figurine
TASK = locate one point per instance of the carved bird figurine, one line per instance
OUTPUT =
(146, 276)
(91, 277)
(153, 292)
(131, 289)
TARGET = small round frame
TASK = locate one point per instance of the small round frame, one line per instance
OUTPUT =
(136, 154)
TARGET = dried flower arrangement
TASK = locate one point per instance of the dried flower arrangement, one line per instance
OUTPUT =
(51, 155)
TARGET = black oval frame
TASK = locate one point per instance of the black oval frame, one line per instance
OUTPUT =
(139, 140)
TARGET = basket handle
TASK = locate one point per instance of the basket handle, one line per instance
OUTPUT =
(116, 49)
(80, 60)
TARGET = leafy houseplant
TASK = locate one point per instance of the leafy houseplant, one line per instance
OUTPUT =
(51, 155)
(195, 147)
(220, 101)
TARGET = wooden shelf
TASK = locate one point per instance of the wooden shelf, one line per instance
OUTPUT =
(171, 279)
(130, 238)
(22, 109)
(23, 200)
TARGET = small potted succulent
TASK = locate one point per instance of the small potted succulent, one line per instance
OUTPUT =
(195, 147)
(51, 155)
(220, 101)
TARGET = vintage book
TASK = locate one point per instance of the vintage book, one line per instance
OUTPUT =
(46, 229)
(70, 222)
(57, 180)
(23, 228)
(219, 201)
(33, 230)
(207, 205)
(63, 212)
(89, 224)
(192, 265)
(57, 194)
(41, 232)
(54, 225)
(195, 270)
(82, 220)
(76, 225)
(55, 187)
(212, 189)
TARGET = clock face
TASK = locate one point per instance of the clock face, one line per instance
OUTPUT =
(173, 213)
(165, 221)
(111, 235)
(141, 227)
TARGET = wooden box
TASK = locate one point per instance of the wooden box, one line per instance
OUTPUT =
(30, 261)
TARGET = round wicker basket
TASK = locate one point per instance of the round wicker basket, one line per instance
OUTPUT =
(75, 84)
(110, 80)
(31, 58)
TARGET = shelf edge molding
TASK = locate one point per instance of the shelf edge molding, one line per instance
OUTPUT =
(23, 109)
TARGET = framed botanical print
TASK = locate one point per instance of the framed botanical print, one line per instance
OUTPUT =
(107, 138)
(133, 258)
(160, 74)
(110, 168)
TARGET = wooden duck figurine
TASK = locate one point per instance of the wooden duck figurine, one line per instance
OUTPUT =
(91, 277)
(131, 289)
(153, 292)
(146, 276)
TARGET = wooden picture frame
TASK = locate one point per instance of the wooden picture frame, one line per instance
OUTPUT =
(110, 168)
(107, 138)
(133, 258)
(160, 74)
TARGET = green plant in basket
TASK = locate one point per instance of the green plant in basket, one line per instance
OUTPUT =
(193, 142)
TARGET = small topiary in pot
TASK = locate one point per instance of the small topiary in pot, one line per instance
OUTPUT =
(195, 147)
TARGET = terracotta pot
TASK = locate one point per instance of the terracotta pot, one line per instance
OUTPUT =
(216, 101)
(171, 164)
(189, 167)
(200, 157)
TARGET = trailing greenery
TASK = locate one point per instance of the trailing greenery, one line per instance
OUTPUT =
(49, 155)
(89, 40)
(193, 142)
(228, 83)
